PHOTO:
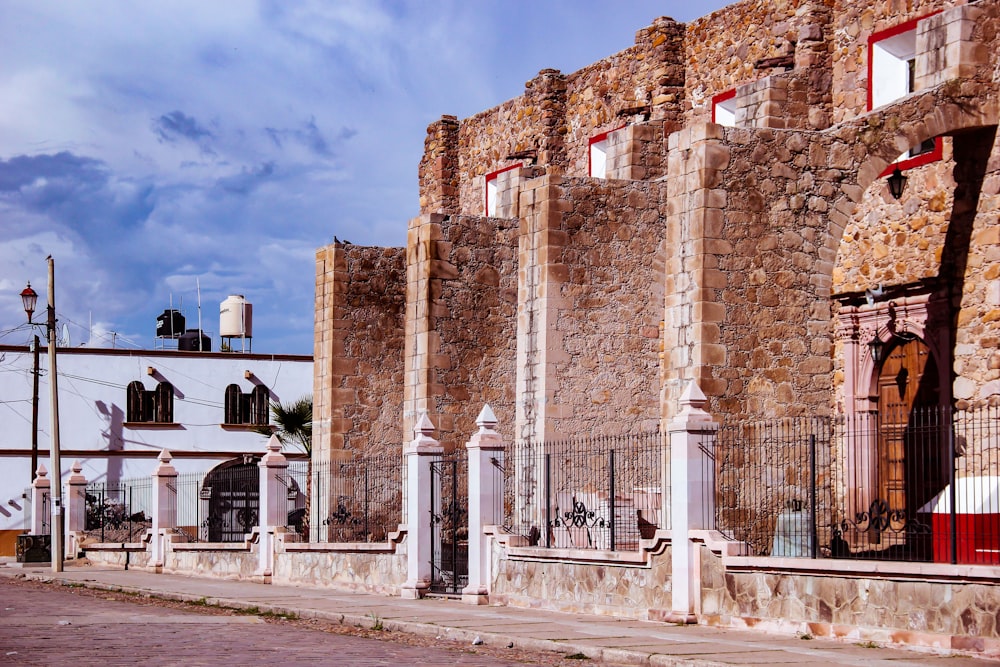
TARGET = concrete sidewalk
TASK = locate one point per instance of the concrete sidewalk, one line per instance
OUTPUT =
(600, 638)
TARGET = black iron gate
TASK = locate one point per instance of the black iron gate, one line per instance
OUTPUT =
(449, 523)
(231, 494)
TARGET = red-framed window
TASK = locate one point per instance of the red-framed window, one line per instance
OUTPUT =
(724, 108)
(490, 194)
(597, 154)
(891, 65)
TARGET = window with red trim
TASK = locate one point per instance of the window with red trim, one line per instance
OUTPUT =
(597, 156)
(724, 108)
(891, 68)
(491, 189)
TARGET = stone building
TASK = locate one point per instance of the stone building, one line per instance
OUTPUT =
(709, 204)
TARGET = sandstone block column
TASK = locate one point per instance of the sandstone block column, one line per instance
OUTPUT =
(696, 221)
(692, 498)
(329, 348)
(273, 511)
(40, 490)
(164, 508)
(419, 453)
(485, 503)
(76, 509)
(424, 272)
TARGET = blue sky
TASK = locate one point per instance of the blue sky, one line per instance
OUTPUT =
(152, 146)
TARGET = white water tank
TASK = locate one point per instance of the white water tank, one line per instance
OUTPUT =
(236, 317)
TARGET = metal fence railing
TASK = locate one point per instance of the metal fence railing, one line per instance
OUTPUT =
(188, 518)
(356, 500)
(902, 484)
(119, 511)
(772, 482)
(586, 493)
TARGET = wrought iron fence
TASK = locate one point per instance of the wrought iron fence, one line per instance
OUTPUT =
(357, 500)
(188, 518)
(119, 511)
(46, 510)
(449, 522)
(586, 493)
(905, 484)
(296, 485)
(772, 485)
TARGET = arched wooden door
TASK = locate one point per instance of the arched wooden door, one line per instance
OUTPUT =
(910, 446)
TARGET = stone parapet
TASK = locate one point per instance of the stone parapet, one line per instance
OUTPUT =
(947, 47)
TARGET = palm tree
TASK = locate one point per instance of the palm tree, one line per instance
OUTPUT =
(294, 427)
(294, 422)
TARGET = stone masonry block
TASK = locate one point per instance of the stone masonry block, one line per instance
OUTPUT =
(703, 131)
(713, 155)
(708, 312)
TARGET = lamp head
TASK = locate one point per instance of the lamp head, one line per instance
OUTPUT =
(896, 183)
(29, 298)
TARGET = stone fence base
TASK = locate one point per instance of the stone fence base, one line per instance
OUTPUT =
(370, 568)
(952, 607)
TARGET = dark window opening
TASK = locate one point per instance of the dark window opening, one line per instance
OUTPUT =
(247, 408)
(150, 405)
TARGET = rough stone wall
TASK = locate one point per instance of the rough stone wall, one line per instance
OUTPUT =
(645, 80)
(221, 564)
(438, 171)
(748, 313)
(724, 47)
(626, 591)
(461, 305)
(559, 113)
(359, 349)
(592, 256)
(854, 23)
(953, 615)
(375, 573)
(776, 294)
(892, 242)
(474, 309)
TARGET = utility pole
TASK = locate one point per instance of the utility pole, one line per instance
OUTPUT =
(34, 412)
(54, 453)
(29, 298)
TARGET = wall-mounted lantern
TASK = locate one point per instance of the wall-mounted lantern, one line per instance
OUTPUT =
(896, 183)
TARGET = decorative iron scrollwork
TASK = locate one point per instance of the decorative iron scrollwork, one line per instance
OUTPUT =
(578, 517)
(342, 517)
(879, 519)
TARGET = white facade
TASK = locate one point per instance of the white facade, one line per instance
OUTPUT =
(93, 412)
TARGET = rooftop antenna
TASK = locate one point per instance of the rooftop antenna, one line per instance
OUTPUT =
(197, 282)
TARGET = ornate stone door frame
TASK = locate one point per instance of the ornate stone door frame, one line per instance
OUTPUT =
(923, 315)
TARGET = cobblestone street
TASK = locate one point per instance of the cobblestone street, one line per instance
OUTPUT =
(46, 625)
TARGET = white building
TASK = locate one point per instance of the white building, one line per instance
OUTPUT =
(119, 408)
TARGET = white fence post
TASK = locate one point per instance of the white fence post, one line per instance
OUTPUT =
(164, 508)
(40, 489)
(76, 509)
(692, 498)
(273, 511)
(485, 503)
(419, 453)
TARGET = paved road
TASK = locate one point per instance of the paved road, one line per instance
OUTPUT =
(51, 627)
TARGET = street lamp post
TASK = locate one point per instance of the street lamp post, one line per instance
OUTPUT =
(29, 298)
